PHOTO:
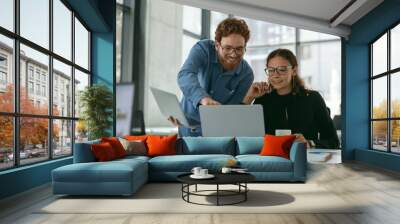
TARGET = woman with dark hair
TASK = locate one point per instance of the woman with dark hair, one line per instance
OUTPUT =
(289, 105)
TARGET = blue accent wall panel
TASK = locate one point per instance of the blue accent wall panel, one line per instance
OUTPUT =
(356, 100)
(103, 63)
(24, 178)
(381, 159)
(103, 58)
(356, 75)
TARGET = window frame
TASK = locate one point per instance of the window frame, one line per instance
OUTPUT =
(388, 74)
(16, 115)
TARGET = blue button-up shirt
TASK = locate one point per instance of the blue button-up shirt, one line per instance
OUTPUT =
(202, 75)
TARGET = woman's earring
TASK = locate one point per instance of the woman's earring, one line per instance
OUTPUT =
(293, 83)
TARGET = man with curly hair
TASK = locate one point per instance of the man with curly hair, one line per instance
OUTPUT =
(215, 73)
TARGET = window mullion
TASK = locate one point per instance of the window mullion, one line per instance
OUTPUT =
(16, 84)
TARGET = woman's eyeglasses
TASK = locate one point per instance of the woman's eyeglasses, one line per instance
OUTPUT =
(280, 70)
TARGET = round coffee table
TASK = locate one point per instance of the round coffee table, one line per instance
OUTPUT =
(238, 179)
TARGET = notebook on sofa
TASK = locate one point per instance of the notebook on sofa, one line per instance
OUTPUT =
(232, 120)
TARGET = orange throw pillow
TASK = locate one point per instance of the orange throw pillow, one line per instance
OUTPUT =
(103, 152)
(116, 145)
(135, 137)
(161, 145)
(277, 145)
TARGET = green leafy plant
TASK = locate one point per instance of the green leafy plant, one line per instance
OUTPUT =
(96, 102)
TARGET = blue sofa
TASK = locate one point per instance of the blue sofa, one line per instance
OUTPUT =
(125, 176)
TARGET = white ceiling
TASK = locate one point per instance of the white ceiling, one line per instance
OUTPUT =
(313, 15)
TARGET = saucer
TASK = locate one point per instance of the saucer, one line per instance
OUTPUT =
(208, 176)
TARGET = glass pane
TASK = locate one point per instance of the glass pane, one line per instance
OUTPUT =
(379, 55)
(81, 45)
(33, 139)
(379, 135)
(191, 19)
(6, 142)
(395, 136)
(322, 73)
(187, 44)
(118, 43)
(34, 81)
(263, 33)
(395, 95)
(81, 131)
(81, 81)
(62, 138)
(307, 35)
(7, 14)
(62, 29)
(379, 98)
(62, 89)
(216, 18)
(35, 21)
(395, 47)
(6, 74)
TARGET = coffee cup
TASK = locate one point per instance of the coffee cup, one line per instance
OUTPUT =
(226, 170)
(280, 132)
(203, 172)
(196, 170)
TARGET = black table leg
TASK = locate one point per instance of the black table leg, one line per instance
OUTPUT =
(217, 194)
(245, 193)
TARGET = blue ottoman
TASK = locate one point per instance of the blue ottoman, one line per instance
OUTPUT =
(118, 177)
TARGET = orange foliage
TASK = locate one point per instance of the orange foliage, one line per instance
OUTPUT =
(33, 130)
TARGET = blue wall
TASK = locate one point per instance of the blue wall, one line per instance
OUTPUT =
(24, 178)
(100, 17)
(103, 63)
(356, 73)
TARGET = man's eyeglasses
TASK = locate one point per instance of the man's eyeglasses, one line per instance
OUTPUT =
(230, 50)
(280, 70)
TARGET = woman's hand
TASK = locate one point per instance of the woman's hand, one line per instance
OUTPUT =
(174, 121)
(300, 138)
(257, 89)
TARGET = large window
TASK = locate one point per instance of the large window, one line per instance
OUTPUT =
(385, 94)
(182, 26)
(40, 81)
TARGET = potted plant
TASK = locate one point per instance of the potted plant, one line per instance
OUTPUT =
(96, 102)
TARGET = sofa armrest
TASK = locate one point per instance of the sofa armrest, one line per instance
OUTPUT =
(298, 155)
(83, 153)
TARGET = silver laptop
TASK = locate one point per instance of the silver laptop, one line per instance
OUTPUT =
(232, 120)
(169, 105)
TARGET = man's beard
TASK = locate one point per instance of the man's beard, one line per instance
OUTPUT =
(228, 65)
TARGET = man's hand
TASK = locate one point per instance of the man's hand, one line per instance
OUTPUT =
(174, 121)
(208, 101)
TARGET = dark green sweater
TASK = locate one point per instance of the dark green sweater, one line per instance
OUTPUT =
(304, 113)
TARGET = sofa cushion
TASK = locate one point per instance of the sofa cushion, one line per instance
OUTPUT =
(277, 145)
(116, 145)
(185, 163)
(112, 171)
(103, 151)
(134, 147)
(249, 145)
(135, 137)
(161, 145)
(207, 145)
(257, 163)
